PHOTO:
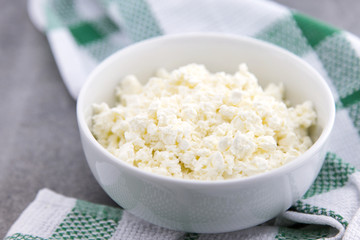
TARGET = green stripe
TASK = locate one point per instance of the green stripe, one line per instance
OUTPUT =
(333, 174)
(99, 211)
(66, 14)
(314, 30)
(60, 14)
(138, 19)
(52, 19)
(305, 232)
(302, 207)
(66, 11)
(351, 99)
(88, 221)
(105, 25)
(85, 32)
(286, 34)
(342, 64)
(99, 50)
(354, 112)
(19, 236)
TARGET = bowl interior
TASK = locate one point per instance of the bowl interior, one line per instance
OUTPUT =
(269, 63)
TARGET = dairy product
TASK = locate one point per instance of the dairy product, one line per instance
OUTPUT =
(193, 124)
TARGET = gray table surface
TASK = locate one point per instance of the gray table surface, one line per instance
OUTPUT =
(39, 140)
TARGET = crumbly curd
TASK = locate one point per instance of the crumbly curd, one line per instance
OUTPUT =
(193, 124)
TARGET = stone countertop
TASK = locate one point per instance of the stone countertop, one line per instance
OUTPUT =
(40, 144)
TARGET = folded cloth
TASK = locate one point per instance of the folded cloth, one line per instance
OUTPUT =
(82, 33)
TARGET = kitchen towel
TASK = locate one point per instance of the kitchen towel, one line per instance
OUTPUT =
(82, 33)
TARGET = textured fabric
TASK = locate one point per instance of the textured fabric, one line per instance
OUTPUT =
(82, 33)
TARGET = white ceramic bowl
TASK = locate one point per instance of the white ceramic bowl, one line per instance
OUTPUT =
(206, 206)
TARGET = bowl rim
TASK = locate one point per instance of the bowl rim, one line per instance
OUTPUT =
(286, 168)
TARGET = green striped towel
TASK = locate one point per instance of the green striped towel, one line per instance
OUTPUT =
(82, 33)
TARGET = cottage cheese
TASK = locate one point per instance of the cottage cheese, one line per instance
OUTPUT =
(192, 124)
